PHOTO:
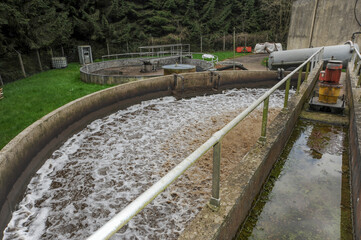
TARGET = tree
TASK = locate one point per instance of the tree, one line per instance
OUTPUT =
(13, 26)
(35, 24)
(278, 23)
(46, 25)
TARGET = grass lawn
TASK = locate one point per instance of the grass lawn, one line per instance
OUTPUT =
(29, 99)
(221, 55)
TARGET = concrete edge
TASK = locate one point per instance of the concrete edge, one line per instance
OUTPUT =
(87, 71)
(25, 154)
(354, 102)
(240, 189)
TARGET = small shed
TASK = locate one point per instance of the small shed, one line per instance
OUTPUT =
(85, 54)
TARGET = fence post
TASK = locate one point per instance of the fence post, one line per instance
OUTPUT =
(108, 48)
(51, 52)
(299, 81)
(1, 88)
(234, 48)
(39, 60)
(21, 64)
(201, 43)
(288, 83)
(215, 201)
(264, 120)
(224, 41)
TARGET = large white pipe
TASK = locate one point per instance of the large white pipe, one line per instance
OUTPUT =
(293, 58)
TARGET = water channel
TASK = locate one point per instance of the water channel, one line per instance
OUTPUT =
(101, 169)
(307, 195)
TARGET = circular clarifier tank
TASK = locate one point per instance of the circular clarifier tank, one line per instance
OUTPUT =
(178, 68)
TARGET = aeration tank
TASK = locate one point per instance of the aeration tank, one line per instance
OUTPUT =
(293, 58)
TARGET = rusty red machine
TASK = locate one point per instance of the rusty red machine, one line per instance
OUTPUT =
(329, 89)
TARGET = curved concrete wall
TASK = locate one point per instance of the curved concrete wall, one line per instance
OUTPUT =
(88, 75)
(23, 156)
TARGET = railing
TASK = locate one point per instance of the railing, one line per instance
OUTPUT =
(135, 55)
(172, 52)
(122, 218)
(356, 61)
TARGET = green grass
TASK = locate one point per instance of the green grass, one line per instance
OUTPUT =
(29, 99)
(221, 55)
(265, 61)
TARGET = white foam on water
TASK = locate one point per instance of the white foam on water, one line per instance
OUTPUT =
(100, 170)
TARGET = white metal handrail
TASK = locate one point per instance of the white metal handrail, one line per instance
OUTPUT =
(122, 218)
(161, 52)
(133, 55)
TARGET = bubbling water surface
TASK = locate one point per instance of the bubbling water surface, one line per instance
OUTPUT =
(101, 169)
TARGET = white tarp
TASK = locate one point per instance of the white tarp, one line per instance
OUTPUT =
(267, 47)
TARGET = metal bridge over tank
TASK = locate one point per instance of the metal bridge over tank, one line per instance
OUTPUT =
(156, 51)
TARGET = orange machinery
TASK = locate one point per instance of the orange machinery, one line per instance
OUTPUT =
(329, 87)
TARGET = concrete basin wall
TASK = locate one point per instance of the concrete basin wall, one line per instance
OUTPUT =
(240, 189)
(24, 155)
(354, 100)
(88, 75)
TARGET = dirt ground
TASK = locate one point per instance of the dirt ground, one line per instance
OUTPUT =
(253, 61)
(234, 147)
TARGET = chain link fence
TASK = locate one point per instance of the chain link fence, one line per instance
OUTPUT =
(17, 65)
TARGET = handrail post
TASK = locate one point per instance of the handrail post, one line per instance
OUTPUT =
(321, 54)
(299, 81)
(312, 64)
(263, 137)
(215, 200)
(359, 81)
(307, 70)
(288, 83)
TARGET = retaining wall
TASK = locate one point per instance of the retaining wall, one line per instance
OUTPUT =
(354, 101)
(322, 23)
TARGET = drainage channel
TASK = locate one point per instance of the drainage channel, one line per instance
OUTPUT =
(307, 195)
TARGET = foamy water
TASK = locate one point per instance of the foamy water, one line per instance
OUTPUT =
(100, 170)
